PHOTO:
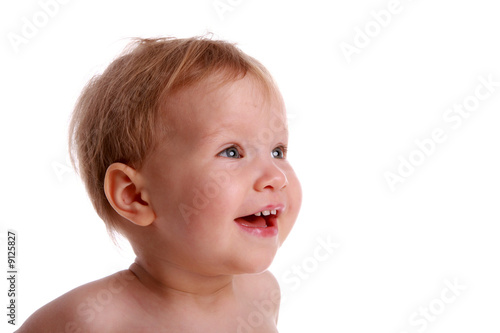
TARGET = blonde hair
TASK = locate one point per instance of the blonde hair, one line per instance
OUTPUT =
(117, 114)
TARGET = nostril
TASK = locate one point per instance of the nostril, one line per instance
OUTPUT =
(272, 179)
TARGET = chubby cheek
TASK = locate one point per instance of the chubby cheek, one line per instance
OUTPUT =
(207, 203)
(294, 200)
(198, 228)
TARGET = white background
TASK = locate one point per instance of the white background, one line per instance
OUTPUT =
(349, 122)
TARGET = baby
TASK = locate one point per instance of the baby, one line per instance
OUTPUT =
(182, 145)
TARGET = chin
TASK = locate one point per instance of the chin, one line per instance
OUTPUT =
(257, 263)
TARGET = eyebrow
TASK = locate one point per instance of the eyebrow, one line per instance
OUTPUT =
(214, 135)
(224, 128)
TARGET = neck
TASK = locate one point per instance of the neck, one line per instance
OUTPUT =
(168, 282)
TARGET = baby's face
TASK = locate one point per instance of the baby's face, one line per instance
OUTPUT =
(224, 164)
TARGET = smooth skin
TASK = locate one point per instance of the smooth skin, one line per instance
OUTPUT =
(196, 269)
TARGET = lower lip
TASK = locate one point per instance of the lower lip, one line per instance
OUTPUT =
(270, 231)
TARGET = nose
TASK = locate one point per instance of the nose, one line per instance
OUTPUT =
(271, 177)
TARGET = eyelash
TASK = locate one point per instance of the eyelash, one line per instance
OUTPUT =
(235, 147)
(284, 150)
(238, 150)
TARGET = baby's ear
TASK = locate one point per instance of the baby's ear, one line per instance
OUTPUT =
(124, 189)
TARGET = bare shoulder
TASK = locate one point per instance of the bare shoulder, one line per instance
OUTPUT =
(264, 282)
(82, 309)
(263, 289)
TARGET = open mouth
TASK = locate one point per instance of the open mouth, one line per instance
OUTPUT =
(262, 219)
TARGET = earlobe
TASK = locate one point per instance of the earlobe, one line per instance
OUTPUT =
(124, 190)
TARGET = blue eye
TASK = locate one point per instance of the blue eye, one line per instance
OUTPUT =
(231, 152)
(279, 152)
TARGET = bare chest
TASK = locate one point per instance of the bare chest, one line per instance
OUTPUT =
(248, 319)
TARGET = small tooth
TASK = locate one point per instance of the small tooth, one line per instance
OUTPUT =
(257, 214)
(273, 211)
(265, 212)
